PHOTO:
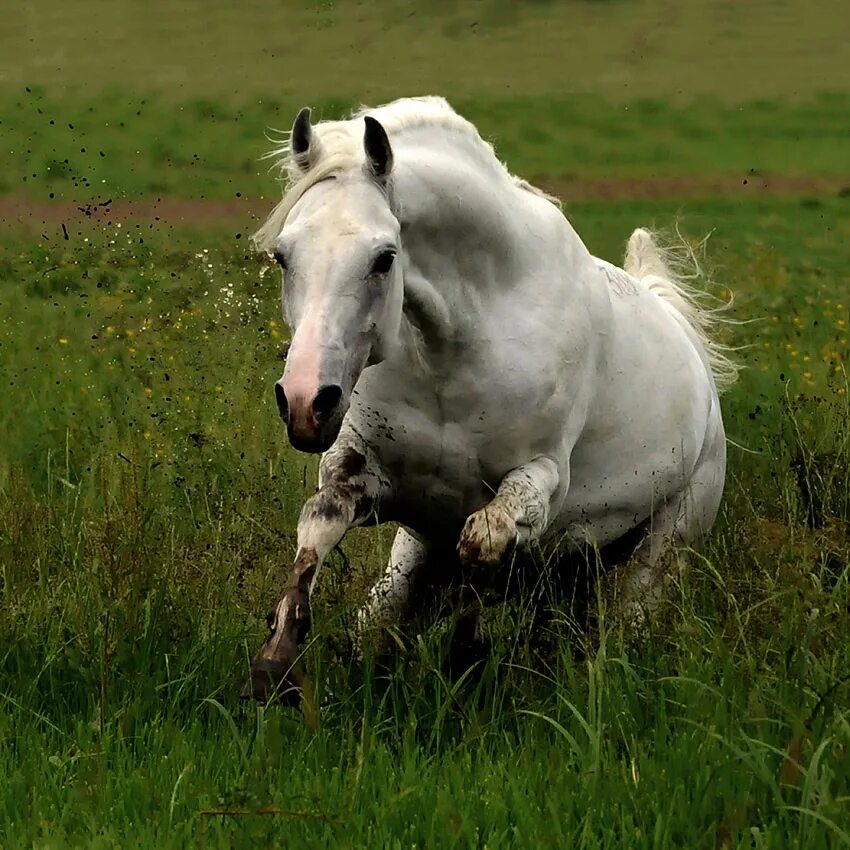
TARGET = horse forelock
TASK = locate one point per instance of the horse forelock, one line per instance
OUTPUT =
(339, 149)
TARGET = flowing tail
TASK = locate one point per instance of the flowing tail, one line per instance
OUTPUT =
(668, 273)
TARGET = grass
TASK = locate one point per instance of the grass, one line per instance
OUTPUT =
(148, 502)
(90, 149)
(147, 506)
(622, 50)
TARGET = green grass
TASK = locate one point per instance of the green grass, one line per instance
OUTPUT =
(148, 499)
(658, 752)
(147, 506)
(92, 149)
(623, 50)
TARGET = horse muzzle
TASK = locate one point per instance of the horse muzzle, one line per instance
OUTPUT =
(312, 420)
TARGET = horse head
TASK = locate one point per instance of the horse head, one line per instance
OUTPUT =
(342, 289)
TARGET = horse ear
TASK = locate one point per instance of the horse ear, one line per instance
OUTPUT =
(301, 138)
(379, 154)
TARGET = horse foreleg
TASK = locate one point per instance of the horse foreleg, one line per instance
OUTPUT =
(347, 496)
(390, 597)
(517, 515)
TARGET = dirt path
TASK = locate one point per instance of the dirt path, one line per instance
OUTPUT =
(24, 211)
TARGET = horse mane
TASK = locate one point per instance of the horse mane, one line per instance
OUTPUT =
(337, 147)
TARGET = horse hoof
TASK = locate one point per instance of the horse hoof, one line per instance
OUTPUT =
(487, 538)
(270, 680)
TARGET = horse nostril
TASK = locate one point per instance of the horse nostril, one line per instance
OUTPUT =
(326, 401)
(282, 405)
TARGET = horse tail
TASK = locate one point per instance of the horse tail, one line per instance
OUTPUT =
(674, 274)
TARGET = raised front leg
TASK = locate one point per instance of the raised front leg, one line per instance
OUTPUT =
(349, 490)
(518, 514)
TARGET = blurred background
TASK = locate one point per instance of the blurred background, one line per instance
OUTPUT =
(176, 97)
(620, 49)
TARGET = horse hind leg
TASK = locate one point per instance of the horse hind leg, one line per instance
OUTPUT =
(662, 553)
(640, 582)
(419, 580)
(679, 523)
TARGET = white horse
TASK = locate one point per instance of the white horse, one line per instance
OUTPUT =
(471, 371)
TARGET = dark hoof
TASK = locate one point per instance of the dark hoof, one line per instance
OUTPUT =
(270, 680)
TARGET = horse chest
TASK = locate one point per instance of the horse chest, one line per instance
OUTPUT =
(444, 445)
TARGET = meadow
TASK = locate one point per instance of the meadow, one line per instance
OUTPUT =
(148, 497)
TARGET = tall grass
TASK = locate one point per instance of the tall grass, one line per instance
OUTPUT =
(147, 506)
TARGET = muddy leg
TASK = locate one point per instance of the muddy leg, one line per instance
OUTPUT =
(347, 496)
(517, 515)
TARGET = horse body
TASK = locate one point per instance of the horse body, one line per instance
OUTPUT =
(503, 386)
(491, 387)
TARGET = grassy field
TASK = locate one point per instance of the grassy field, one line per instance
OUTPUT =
(92, 149)
(624, 50)
(148, 499)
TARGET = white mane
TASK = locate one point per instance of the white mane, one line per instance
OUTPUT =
(337, 147)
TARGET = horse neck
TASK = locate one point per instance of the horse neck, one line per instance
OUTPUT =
(454, 191)
(464, 233)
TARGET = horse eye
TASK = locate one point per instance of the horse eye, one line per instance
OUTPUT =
(383, 262)
(280, 258)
